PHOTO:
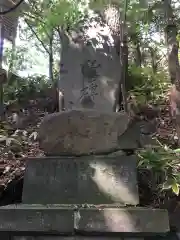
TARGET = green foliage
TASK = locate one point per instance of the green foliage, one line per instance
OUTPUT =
(164, 163)
(146, 86)
(23, 89)
(18, 60)
(65, 14)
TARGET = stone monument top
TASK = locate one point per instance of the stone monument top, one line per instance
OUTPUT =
(89, 67)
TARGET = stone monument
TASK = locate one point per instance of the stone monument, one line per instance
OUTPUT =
(85, 186)
(89, 67)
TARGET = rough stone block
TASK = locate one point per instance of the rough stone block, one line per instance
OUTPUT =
(36, 218)
(91, 180)
(127, 220)
(131, 137)
(81, 132)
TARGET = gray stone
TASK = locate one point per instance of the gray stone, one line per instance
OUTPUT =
(36, 218)
(149, 127)
(137, 135)
(97, 238)
(5, 236)
(128, 220)
(178, 235)
(131, 137)
(81, 132)
(90, 67)
(50, 180)
(42, 238)
(71, 238)
(81, 180)
(148, 141)
(108, 180)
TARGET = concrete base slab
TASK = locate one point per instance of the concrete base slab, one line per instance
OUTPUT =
(57, 220)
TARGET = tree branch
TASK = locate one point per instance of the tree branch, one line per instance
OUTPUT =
(34, 32)
(37, 18)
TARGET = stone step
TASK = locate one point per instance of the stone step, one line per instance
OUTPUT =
(36, 218)
(171, 236)
(58, 220)
(84, 238)
(77, 180)
(166, 237)
(128, 220)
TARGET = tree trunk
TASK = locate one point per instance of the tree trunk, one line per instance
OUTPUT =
(173, 63)
(153, 60)
(112, 18)
(51, 60)
(64, 41)
(172, 44)
(138, 55)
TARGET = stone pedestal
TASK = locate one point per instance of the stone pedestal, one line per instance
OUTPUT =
(88, 180)
(85, 197)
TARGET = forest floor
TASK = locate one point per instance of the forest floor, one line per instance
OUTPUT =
(21, 143)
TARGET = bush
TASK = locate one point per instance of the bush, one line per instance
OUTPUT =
(146, 86)
(24, 89)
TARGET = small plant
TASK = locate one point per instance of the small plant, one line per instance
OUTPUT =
(164, 162)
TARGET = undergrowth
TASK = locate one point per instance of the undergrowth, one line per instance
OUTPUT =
(164, 162)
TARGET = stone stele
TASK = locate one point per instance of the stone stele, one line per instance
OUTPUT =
(81, 132)
(89, 67)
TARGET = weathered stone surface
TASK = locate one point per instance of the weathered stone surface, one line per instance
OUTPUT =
(173, 207)
(81, 180)
(148, 141)
(138, 134)
(169, 237)
(71, 238)
(42, 238)
(131, 137)
(149, 127)
(36, 218)
(81, 132)
(128, 220)
(50, 180)
(108, 180)
(5, 236)
(90, 67)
